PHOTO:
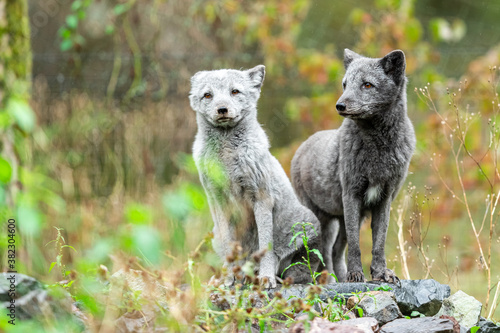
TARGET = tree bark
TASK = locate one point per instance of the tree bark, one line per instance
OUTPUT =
(15, 79)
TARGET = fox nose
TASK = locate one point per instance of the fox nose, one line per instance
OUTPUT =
(340, 106)
(222, 111)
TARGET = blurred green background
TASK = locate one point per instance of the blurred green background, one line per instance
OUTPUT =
(109, 157)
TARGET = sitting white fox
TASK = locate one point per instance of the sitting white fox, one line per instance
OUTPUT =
(250, 197)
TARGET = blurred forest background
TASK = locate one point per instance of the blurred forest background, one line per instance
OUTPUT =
(106, 167)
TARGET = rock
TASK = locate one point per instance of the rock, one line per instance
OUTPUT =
(366, 324)
(424, 296)
(456, 326)
(319, 325)
(23, 285)
(32, 300)
(419, 325)
(487, 326)
(464, 308)
(380, 305)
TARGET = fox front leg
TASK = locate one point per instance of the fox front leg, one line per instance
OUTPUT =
(352, 217)
(380, 223)
(223, 239)
(263, 211)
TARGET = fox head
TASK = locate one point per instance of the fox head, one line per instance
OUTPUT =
(371, 86)
(224, 97)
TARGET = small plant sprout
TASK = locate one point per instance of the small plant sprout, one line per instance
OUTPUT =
(307, 259)
(59, 245)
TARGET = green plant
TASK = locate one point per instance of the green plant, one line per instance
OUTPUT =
(472, 164)
(383, 287)
(71, 38)
(416, 314)
(59, 245)
(307, 259)
(474, 329)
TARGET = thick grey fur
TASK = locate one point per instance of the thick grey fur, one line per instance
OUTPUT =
(250, 196)
(347, 174)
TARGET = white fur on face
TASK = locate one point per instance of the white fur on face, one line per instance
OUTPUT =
(233, 90)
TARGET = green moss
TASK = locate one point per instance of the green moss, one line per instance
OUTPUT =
(15, 53)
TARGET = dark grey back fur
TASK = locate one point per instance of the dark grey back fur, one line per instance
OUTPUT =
(347, 174)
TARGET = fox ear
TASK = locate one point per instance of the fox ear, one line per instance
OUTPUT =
(394, 65)
(194, 78)
(257, 75)
(349, 56)
(194, 87)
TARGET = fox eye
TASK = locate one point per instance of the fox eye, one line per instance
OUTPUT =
(235, 92)
(367, 85)
(207, 96)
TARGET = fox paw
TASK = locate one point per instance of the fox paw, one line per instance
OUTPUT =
(355, 276)
(267, 282)
(386, 275)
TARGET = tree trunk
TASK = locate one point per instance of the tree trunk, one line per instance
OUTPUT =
(15, 85)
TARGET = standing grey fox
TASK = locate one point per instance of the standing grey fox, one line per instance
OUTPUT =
(250, 197)
(347, 174)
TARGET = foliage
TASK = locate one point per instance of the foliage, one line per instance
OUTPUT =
(305, 240)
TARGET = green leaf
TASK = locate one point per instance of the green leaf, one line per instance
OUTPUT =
(474, 329)
(383, 287)
(66, 45)
(67, 285)
(76, 5)
(69, 246)
(22, 114)
(52, 266)
(29, 220)
(138, 214)
(356, 16)
(294, 237)
(413, 30)
(316, 251)
(120, 9)
(5, 171)
(146, 241)
(262, 325)
(416, 314)
(110, 29)
(72, 22)
(81, 14)
(360, 312)
(291, 265)
(177, 205)
(65, 33)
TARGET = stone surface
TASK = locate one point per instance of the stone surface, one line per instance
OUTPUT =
(366, 324)
(424, 296)
(419, 325)
(319, 325)
(486, 326)
(32, 299)
(380, 305)
(456, 326)
(464, 308)
(23, 285)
